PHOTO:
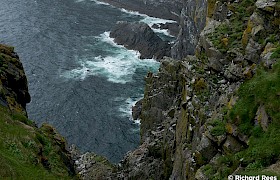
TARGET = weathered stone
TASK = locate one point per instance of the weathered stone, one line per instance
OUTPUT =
(139, 36)
(266, 55)
(233, 72)
(231, 145)
(192, 21)
(136, 110)
(221, 11)
(266, 5)
(199, 175)
(13, 82)
(255, 28)
(253, 51)
(262, 118)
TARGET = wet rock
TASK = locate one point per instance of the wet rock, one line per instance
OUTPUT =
(173, 28)
(139, 36)
(136, 110)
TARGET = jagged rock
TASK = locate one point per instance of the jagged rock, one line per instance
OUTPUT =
(234, 72)
(266, 55)
(192, 21)
(173, 28)
(136, 110)
(91, 166)
(253, 51)
(221, 11)
(13, 83)
(255, 28)
(234, 55)
(199, 175)
(232, 145)
(139, 36)
(262, 118)
(206, 149)
(266, 5)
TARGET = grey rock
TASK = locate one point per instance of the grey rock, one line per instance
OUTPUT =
(139, 36)
(253, 51)
(262, 118)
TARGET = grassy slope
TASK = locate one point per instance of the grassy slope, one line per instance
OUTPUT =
(27, 152)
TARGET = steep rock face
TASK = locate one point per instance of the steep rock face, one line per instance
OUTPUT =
(191, 22)
(140, 37)
(13, 83)
(209, 116)
(26, 151)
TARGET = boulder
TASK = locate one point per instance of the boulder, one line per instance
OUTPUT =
(266, 5)
(139, 36)
(253, 51)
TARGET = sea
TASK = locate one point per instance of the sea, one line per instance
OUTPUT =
(80, 81)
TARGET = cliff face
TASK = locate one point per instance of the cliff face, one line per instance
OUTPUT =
(205, 116)
(216, 113)
(191, 22)
(13, 83)
(26, 151)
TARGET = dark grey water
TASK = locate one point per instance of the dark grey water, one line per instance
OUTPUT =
(79, 80)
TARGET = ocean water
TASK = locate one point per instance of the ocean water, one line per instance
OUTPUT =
(80, 81)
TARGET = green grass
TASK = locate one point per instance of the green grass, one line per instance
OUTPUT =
(23, 146)
(234, 30)
(276, 53)
(218, 128)
(264, 146)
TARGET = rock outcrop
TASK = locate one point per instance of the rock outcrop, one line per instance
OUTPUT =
(26, 151)
(213, 114)
(13, 83)
(192, 20)
(139, 36)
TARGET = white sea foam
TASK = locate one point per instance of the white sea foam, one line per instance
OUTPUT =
(118, 65)
(126, 108)
(151, 21)
(101, 3)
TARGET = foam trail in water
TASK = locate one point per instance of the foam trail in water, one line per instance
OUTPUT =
(101, 3)
(118, 66)
(126, 108)
(151, 21)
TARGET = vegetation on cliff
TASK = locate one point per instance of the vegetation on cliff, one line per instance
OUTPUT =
(26, 151)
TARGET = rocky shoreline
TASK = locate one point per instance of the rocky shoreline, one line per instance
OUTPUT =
(211, 111)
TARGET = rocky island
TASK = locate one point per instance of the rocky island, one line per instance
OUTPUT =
(211, 111)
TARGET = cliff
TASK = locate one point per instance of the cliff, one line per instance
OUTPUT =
(211, 111)
(26, 151)
(215, 113)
